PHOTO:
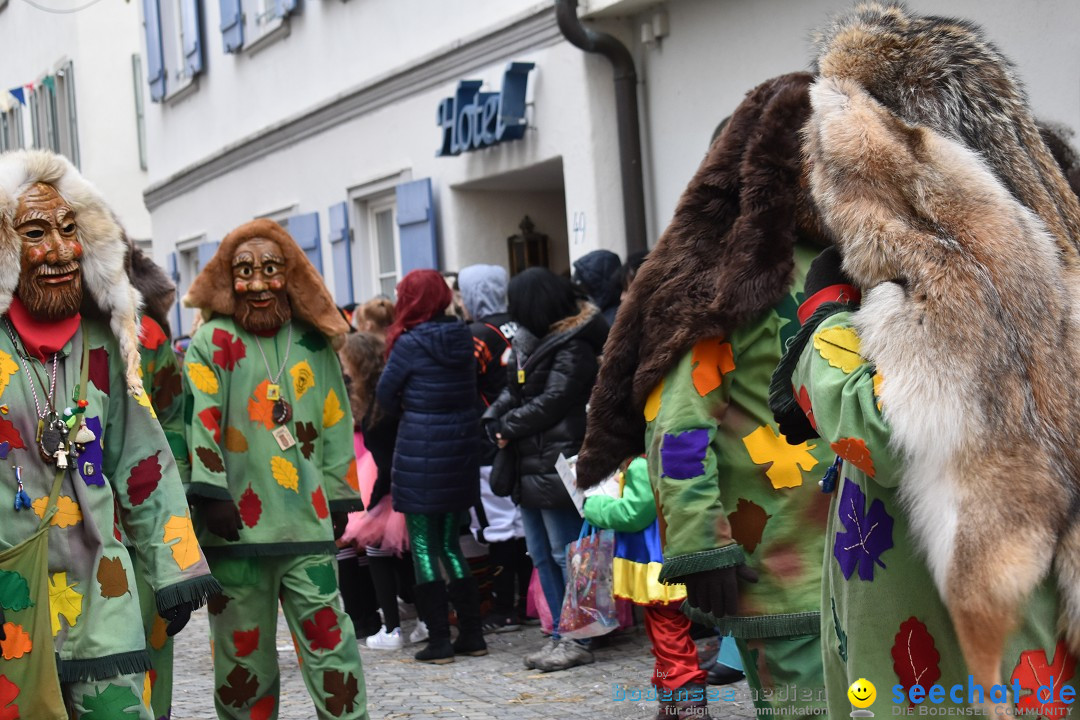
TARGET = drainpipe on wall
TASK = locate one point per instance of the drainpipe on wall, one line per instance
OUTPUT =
(626, 113)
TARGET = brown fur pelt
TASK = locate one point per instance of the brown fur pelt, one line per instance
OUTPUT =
(1058, 139)
(970, 316)
(726, 257)
(158, 291)
(212, 291)
(942, 73)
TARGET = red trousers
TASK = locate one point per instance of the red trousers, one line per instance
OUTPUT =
(676, 655)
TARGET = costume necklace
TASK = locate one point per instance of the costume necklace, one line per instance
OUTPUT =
(51, 429)
(282, 412)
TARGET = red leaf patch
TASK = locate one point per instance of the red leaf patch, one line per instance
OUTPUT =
(263, 709)
(250, 507)
(1034, 671)
(151, 336)
(8, 692)
(322, 630)
(211, 420)
(915, 659)
(99, 369)
(10, 433)
(246, 641)
(231, 349)
(803, 398)
(318, 500)
(144, 480)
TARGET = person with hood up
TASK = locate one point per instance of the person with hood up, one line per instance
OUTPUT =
(483, 293)
(541, 414)
(430, 380)
(597, 273)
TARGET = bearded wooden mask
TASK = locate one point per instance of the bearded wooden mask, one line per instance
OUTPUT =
(260, 279)
(50, 277)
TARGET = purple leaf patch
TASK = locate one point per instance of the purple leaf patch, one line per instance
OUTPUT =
(866, 536)
(683, 455)
(89, 461)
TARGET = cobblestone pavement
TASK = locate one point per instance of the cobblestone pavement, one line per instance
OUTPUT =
(496, 686)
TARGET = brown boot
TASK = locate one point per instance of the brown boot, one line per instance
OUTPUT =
(683, 703)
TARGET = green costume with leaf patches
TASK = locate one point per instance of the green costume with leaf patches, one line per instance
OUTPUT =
(884, 620)
(285, 497)
(93, 605)
(730, 490)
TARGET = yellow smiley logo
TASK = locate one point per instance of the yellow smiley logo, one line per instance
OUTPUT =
(862, 693)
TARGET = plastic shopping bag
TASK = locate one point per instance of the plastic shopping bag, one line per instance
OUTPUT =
(589, 607)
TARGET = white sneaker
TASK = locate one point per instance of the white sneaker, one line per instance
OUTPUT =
(383, 640)
(419, 633)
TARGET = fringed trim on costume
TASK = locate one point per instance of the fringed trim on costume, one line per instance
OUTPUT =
(346, 505)
(208, 491)
(782, 400)
(195, 591)
(317, 547)
(759, 626)
(103, 668)
(676, 567)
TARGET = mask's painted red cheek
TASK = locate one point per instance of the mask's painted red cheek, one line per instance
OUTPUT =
(277, 284)
(76, 249)
(240, 286)
(35, 254)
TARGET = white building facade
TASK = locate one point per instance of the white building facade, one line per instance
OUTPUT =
(72, 82)
(324, 115)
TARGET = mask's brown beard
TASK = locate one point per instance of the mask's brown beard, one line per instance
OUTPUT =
(51, 302)
(254, 319)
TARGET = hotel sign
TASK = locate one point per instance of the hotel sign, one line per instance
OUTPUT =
(473, 119)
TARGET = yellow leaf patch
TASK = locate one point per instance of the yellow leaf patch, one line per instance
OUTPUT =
(840, 346)
(67, 511)
(765, 447)
(285, 473)
(303, 378)
(652, 404)
(202, 377)
(185, 550)
(64, 601)
(332, 413)
(877, 388)
(143, 399)
(7, 369)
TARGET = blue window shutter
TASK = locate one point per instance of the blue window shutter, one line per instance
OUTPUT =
(416, 226)
(286, 7)
(155, 56)
(232, 25)
(206, 252)
(305, 231)
(191, 24)
(174, 273)
(341, 253)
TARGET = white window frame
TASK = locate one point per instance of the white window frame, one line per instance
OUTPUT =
(11, 129)
(140, 107)
(262, 25)
(187, 266)
(379, 192)
(375, 206)
(280, 216)
(179, 83)
(67, 118)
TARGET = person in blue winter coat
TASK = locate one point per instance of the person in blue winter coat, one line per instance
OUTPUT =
(430, 380)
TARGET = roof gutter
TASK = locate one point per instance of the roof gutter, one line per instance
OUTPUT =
(626, 114)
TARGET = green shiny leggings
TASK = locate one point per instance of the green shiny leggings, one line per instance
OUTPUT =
(434, 537)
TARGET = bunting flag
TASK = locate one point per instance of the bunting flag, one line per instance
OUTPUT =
(18, 94)
(49, 82)
(6, 102)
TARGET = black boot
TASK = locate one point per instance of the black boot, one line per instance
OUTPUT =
(431, 606)
(466, 598)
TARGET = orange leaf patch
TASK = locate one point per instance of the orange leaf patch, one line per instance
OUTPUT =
(261, 410)
(854, 450)
(18, 642)
(712, 359)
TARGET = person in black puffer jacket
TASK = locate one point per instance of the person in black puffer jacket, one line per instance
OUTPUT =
(430, 379)
(551, 371)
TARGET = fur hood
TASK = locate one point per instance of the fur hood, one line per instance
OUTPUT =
(726, 257)
(942, 73)
(105, 246)
(157, 289)
(212, 291)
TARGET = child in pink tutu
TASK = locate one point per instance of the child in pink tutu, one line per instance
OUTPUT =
(379, 531)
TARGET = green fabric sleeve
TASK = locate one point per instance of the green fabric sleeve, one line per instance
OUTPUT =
(162, 378)
(154, 511)
(205, 399)
(694, 517)
(632, 512)
(338, 453)
(839, 385)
